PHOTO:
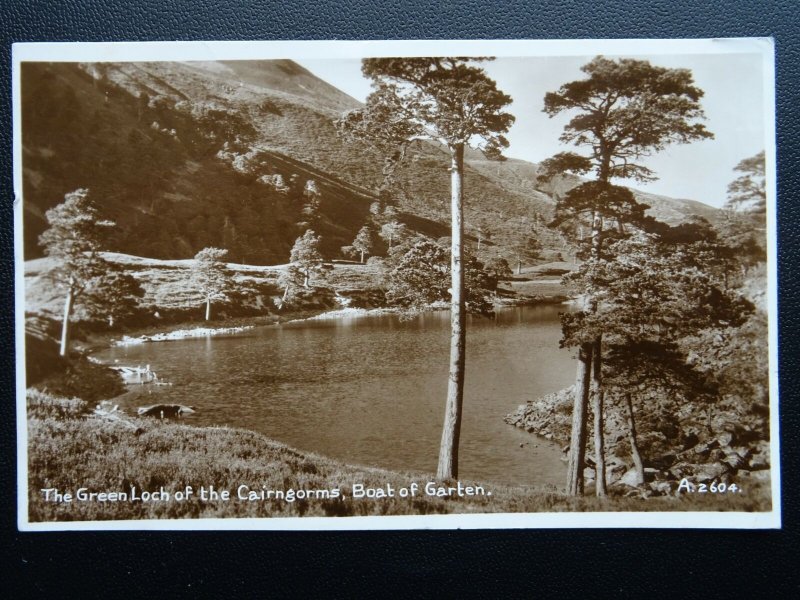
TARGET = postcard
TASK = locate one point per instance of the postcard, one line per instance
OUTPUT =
(396, 285)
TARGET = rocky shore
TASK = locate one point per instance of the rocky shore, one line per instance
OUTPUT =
(728, 448)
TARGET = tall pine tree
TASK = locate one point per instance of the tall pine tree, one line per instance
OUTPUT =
(623, 111)
(450, 101)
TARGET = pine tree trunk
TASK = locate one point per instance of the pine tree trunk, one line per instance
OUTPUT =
(597, 408)
(448, 452)
(577, 451)
(305, 278)
(362, 257)
(208, 308)
(64, 351)
(577, 446)
(635, 455)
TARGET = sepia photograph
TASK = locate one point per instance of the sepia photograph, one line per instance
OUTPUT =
(396, 285)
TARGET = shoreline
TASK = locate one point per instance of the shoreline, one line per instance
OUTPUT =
(180, 334)
(250, 323)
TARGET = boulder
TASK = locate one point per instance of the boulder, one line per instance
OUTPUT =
(726, 438)
(651, 474)
(631, 479)
(743, 451)
(716, 455)
(660, 488)
(682, 469)
(734, 460)
(710, 472)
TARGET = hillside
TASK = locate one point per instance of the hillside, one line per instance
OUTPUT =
(244, 155)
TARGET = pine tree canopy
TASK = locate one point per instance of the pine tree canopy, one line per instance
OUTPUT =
(448, 100)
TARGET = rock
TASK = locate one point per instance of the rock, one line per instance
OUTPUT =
(726, 438)
(614, 472)
(681, 470)
(710, 471)
(661, 488)
(631, 479)
(758, 463)
(664, 461)
(743, 451)
(701, 472)
(699, 452)
(651, 474)
(716, 455)
(734, 460)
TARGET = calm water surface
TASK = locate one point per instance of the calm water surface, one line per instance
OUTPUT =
(371, 390)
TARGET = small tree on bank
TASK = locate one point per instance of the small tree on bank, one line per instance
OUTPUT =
(392, 231)
(305, 255)
(73, 242)
(211, 277)
(363, 242)
(422, 277)
(452, 102)
(116, 296)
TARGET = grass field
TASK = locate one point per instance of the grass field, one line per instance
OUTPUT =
(69, 449)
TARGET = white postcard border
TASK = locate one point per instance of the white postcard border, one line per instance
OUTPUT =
(264, 50)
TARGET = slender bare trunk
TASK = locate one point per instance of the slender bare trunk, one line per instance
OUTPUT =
(597, 372)
(577, 445)
(597, 408)
(451, 432)
(208, 308)
(577, 451)
(362, 257)
(64, 351)
(306, 277)
(635, 455)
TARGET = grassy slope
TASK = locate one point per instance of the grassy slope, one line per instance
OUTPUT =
(68, 450)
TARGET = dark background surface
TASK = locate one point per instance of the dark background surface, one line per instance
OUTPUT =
(717, 564)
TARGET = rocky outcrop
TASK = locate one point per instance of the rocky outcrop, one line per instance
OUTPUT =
(726, 447)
